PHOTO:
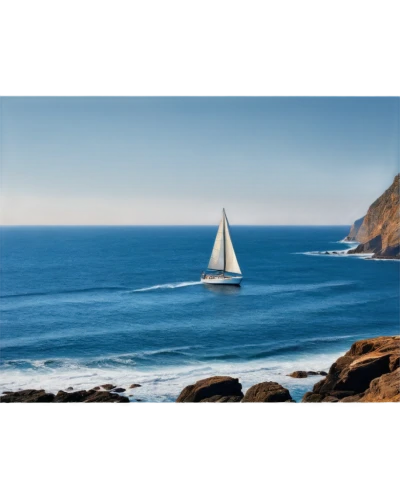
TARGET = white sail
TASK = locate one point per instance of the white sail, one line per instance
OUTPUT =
(231, 263)
(223, 256)
(217, 260)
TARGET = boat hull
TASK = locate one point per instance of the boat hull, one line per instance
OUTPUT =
(222, 280)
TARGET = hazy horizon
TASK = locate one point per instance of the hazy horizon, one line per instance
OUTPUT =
(173, 225)
(155, 161)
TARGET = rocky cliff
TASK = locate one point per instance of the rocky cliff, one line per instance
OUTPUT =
(379, 231)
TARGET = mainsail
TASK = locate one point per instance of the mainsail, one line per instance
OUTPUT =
(223, 256)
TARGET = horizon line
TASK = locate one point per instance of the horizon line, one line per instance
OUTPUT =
(172, 225)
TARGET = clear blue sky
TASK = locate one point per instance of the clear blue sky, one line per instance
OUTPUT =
(180, 160)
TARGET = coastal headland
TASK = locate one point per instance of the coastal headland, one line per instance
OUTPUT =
(378, 232)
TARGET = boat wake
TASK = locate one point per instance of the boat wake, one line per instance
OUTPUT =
(167, 286)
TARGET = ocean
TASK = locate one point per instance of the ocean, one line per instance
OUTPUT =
(83, 306)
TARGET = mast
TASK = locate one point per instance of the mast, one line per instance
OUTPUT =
(224, 217)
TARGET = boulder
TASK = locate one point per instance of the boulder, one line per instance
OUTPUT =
(105, 397)
(40, 396)
(298, 374)
(267, 392)
(27, 396)
(133, 386)
(91, 396)
(359, 375)
(72, 397)
(108, 387)
(385, 389)
(209, 387)
(222, 399)
(119, 389)
(351, 399)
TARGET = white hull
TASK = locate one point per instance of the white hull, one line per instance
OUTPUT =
(222, 280)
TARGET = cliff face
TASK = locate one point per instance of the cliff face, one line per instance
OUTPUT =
(352, 236)
(379, 231)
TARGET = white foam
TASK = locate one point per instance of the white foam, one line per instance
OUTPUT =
(348, 242)
(339, 253)
(165, 384)
(387, 260)
(168, 285)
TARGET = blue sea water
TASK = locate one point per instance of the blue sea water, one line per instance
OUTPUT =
(82, 306)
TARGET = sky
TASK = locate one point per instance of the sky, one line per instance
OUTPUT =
(171, 160)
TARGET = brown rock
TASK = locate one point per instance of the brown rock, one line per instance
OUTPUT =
(267, 392)
(371, 246)
(351, 399)
(330, 399)
(222, 399)
(379, 230)
(27, 396)
(72, 397)
(209, 387)
(311, 397)
(353, 374)
(132, 386)
(108, 387)
(105, 397)
(298, 374)
(91, 396)
(385, 389)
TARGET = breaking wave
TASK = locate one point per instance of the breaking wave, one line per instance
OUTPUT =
(163, 383)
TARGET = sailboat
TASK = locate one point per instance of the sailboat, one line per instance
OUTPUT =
(223, 268)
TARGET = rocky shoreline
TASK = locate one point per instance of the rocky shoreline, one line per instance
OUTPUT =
(368, 372)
